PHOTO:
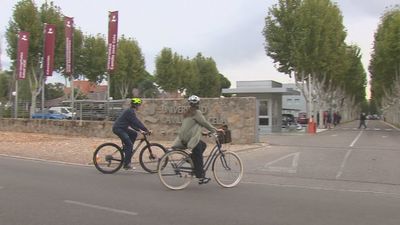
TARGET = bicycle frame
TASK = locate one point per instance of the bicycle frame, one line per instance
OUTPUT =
(135, 148)
(213, 154)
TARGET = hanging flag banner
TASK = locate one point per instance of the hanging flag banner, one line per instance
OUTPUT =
(22, 54)
(49, 46)
(69, 31)
(112, 39)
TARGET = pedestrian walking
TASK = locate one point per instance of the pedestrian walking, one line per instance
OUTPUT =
(363, 117)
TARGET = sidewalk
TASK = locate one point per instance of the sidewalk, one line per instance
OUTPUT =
(70, 149)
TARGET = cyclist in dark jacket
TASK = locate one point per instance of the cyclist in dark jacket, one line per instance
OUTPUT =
(126, 127)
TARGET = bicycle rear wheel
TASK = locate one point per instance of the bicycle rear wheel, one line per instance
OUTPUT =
(175, 170)
(150, 155)
(108, 158)
(228, 169)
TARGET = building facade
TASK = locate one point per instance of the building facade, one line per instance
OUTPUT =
(268, 95)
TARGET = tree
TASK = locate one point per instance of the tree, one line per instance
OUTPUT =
(5, 88)
(225, 83)
(27, 17)
(209, 80)
(165, 74)
(305, 38)
(385, 61)
(130, 70)
(53, 91)
(147, 88)
(94, 58)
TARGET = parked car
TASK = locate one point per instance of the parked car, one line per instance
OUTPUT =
(67, 111)
(287, 120)
(49, 114)
(302, 119)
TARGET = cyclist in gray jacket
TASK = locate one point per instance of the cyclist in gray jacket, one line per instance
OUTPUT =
(190, 133)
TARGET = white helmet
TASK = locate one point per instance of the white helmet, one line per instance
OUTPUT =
(194, 100)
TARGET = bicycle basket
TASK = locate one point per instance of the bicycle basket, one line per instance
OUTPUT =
(224, 138)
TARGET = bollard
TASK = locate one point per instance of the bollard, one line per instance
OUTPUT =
(312, 128)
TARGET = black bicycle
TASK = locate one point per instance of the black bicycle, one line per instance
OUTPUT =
(109, 157)
(176, 169)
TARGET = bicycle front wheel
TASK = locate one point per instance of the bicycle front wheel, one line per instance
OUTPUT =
(150, 155)
(108, 158)
(175, 170)
(228, 169)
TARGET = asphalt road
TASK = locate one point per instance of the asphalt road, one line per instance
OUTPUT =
(341, 176)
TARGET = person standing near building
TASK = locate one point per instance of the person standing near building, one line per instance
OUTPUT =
(363, 117)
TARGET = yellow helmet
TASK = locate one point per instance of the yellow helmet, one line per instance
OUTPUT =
(136, 101)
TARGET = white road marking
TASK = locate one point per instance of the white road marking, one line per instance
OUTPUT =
(356, 139)
(346, 157)
(101, 207)
(395, 195)
(290, 169)
(384, 136)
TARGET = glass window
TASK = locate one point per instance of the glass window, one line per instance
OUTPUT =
(264, 121)
(263, 110)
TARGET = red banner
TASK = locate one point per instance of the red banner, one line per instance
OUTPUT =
(112, 39)
(49, 46)
(22, 54)
(69, 32)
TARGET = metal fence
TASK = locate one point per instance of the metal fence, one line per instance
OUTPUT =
(83, 109)
(97, 109)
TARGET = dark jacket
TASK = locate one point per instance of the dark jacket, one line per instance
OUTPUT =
(128, 119)
(363, 116)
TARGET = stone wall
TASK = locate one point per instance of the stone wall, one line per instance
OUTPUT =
(163, 116)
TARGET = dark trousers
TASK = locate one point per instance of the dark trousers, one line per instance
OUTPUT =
(128, 138)
(362, 123)
(197, 157)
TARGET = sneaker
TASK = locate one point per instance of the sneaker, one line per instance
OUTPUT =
(204, 180)
(129, 167)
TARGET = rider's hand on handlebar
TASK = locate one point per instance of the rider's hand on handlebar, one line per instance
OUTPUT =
(145, 132)
(221, 130)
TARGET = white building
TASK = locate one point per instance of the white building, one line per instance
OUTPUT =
(268, 94)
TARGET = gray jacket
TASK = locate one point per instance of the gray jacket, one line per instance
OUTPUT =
(190, 132)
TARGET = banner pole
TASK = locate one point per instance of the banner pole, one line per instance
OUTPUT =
(16, 100)
(108, 95)
(43, 87)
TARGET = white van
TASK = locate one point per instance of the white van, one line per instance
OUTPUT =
(67, 111)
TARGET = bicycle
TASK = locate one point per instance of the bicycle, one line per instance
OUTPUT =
(176, 170)
(109, 157)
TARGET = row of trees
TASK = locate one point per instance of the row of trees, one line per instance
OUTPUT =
(385, 65)
(306, 39)
(173, 73)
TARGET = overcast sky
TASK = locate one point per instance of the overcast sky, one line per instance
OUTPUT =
(229, 31)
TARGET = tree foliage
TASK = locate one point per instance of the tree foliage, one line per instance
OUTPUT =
(130, 70)
(305, 38)
(54, 91)
(94, 58)
(385, 60)
(199, 75)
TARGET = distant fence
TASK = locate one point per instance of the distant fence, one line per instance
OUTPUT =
(98, 110)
